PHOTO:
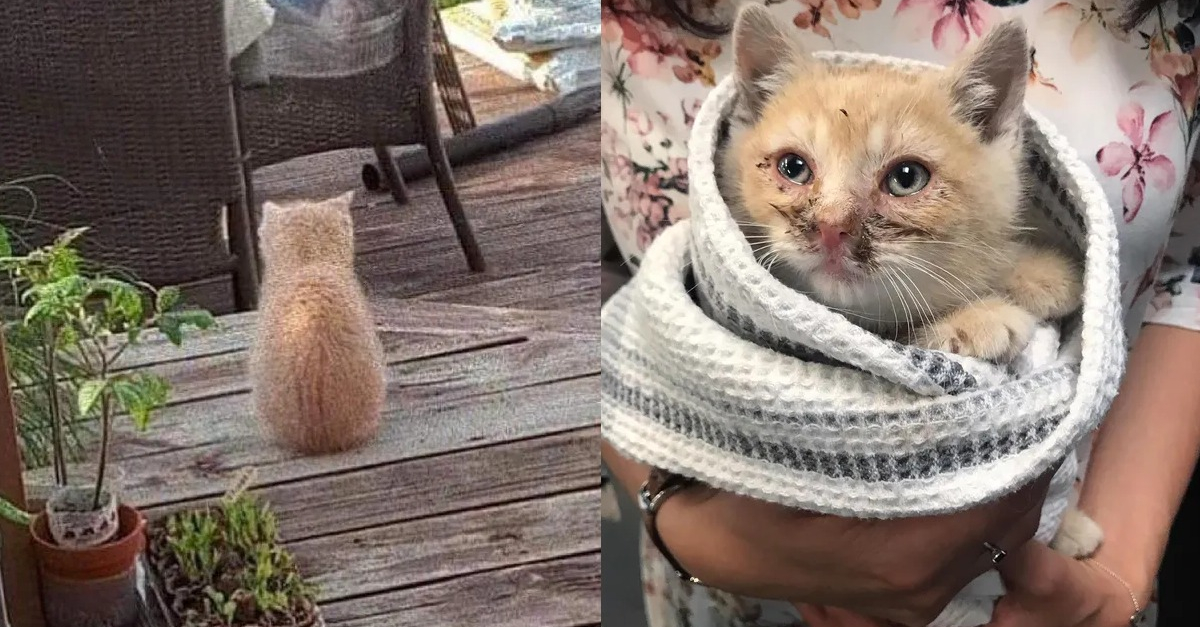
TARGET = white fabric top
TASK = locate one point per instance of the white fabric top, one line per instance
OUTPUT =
(1127, 106)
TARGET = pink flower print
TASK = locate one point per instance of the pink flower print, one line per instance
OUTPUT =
(640, 122)
(609, 140)
(1161, 300)
(650, 206)
(690, 110)
(1090, 23)
(815, 15)
(1139, 160)
(950, 23)
(652, 48)
(677, 172)
(698, 60)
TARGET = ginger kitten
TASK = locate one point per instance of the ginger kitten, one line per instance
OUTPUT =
(316, 365)
(895, 198)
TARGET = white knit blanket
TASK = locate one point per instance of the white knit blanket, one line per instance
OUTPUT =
(713, 369)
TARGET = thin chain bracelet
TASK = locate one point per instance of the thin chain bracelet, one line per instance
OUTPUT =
(1139, 613)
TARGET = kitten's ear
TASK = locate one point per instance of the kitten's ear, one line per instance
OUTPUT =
(988, 83)
(270, 208)
(761, 51)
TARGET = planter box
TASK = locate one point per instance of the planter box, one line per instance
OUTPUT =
(161, 599)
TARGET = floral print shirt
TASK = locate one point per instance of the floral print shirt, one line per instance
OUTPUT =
(1126, 101)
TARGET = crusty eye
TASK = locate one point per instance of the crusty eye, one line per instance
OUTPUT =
(795, 169)
(906, 178)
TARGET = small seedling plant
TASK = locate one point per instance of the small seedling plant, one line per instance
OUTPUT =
(91, 320)
(226, 567)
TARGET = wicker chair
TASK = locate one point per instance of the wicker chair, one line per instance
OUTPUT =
(392, 105)
(131, 102)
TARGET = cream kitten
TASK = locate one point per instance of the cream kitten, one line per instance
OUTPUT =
(317, 364)
(895, 198)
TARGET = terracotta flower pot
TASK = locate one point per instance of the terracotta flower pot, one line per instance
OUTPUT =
(95, 586)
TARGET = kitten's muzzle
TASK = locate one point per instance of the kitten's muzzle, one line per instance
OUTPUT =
(836, 237)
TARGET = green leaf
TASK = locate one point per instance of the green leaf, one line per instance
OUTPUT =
(171, 323)
(5, 244)
(167, 298)
(14, 514)
(37, 312)
(140, 394)
(120, 297)
(89, 395)
(198, 318)
(169, 326)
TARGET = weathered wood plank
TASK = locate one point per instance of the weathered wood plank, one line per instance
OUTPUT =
(556, 593)
(571, 286)
(164, 472)
(401, 323)
(422, 366)
(410, 553)
(430, 486)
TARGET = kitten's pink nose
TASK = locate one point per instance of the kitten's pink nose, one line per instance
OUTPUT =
(833, 235)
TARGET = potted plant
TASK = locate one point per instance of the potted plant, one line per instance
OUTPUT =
(224, 567)
(86, 541)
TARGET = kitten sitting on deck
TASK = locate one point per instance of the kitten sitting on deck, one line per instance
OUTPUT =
(316, 365)
(894, 198)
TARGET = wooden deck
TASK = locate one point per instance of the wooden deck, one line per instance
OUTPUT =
(535, 210)
(478, 503)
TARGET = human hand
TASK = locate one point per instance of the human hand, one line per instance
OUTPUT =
(1048, 589)
(902, 570)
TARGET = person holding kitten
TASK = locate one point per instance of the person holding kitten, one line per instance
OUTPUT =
(1130, 111)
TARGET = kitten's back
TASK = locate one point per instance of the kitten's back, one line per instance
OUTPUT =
(317, 364)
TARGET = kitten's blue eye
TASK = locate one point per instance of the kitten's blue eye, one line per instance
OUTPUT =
(795, 168)
(906, 179)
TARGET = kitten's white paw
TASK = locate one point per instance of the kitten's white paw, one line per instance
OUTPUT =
(1079, 536)
(991, 328)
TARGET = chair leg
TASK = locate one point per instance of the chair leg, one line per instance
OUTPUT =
(445, 180)
(391, 174)
(242, 238)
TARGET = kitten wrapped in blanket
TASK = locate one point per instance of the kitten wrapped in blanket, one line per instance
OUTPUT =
(316, 365)
(895, 199)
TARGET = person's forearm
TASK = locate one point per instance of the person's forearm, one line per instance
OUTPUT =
(630, 474)
(1145, 452)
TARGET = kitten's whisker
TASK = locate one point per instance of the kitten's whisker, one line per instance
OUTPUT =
(927, 314)
(900, 294)
(998, 255)
(917, 296)
(850, 313)
(891, 299)
(927, 265)
(941, 281)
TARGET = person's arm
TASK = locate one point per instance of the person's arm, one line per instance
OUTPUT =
(628, 474)
(1144, 453)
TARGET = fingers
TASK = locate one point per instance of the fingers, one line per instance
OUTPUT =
(1037, 571)
(1012, 534)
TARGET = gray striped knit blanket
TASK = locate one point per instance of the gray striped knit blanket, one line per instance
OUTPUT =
(713, 369)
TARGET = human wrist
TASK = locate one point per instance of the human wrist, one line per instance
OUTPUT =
(629, 474)
(1121, 602)
(1133, 568)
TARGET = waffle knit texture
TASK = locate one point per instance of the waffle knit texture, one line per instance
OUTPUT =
(714, 369)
